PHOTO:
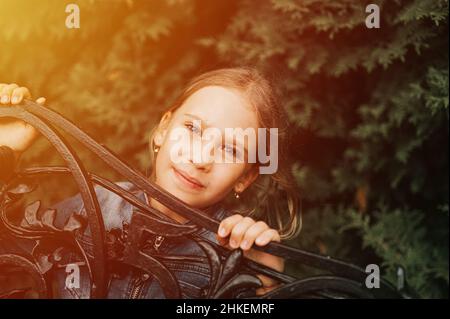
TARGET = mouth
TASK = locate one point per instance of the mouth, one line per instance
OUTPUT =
(188, 180)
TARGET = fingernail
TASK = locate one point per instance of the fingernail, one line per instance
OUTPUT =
(233, 243)
(222, 232)
(15, 99)
(260, 241)
(5, 99)
(244, 244)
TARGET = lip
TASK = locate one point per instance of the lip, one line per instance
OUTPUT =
(187, 179)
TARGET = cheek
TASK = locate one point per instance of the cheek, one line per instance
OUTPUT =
(225, 176)
(175, 149)
(162, 163)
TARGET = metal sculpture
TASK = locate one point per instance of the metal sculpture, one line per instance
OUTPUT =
(231, 273)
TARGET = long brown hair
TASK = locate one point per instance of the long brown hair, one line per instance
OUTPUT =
(273, 198)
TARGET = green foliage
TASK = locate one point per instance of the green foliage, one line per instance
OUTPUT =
(415, 248)
(369, 106)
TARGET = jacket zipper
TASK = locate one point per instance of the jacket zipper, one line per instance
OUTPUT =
(158, 242)
(139, 282)
(138, 285)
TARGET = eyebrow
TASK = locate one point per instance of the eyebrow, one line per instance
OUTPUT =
(198, 118)
(235, 142)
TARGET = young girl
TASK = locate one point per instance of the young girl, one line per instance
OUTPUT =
(224, 98)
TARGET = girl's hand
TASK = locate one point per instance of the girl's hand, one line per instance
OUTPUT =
(244, 232)
(15, 134)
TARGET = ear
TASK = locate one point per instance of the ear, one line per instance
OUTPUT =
(161, 130)
(247, 179)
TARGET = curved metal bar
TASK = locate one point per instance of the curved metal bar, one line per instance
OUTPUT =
(337, 267)
(133, 200)
(317, 284)
(86, 189)
(155, 191)
(29, 267)
(126, 195)
(198, 217)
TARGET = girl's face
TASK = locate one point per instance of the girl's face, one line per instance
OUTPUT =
(204, 182)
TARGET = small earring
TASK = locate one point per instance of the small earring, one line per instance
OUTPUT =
(236, 194)
(156, 149)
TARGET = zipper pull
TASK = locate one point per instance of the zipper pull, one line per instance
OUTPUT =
(158, 241)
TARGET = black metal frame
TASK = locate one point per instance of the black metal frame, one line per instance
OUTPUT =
(230, 271)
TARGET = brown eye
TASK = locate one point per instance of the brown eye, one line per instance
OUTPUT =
(231, 150)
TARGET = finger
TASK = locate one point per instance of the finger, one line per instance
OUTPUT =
(252, 233)
(267, 281)
(262, 291)
(227, 224)
(19, 94)
(41, 100)
(6, 93)
(267, 236)
(238, 231)
(2, 85)
(222, 241)
(268, 285)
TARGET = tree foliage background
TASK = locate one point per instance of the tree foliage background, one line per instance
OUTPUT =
(370, 106)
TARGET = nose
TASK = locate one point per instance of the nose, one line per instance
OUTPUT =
(204, 160)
